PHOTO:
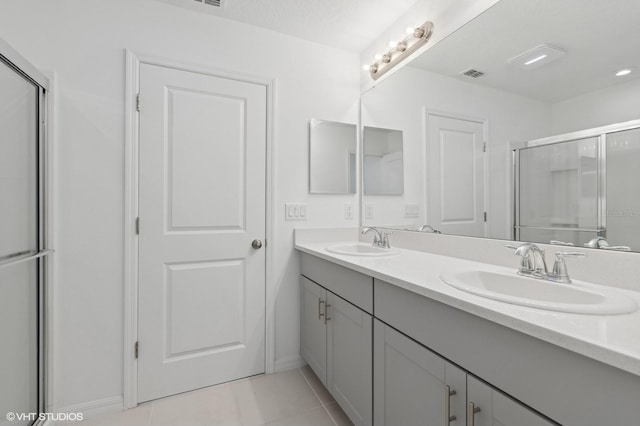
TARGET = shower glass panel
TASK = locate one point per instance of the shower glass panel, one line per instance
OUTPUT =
(558, 192)
(623, 186)
(20, 239)
(18, 164)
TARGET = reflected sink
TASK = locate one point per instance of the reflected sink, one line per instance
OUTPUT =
(362, 249)
(577, 297)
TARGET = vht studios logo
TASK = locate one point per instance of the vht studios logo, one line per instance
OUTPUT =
(56, 417)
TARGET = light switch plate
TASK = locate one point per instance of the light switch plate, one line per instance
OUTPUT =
(411, 210)
(368, 211)
(295, 211)
(348, 211)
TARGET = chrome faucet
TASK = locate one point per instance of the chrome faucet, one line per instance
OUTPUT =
(380, 239)
(428, 228)
(602, 243)
(533, 263)
(560, 273)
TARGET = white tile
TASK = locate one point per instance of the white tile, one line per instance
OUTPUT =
(138, 416)
(273, 397)
(314, 417)
(338, 416)
(321, 392)
(211, 406)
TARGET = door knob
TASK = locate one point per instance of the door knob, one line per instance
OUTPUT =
(256, 244)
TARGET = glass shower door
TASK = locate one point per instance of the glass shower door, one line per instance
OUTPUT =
(20, 243)
(558, 192)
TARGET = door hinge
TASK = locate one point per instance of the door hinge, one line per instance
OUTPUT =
(138, 102)
(485, 216)
(135, 349)
(137, 225)
(484, 145)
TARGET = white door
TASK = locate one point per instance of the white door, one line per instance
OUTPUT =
(202, 204)
(455, 164)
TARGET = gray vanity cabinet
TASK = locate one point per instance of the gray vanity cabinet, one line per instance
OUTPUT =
(489, 407)
(313, 331)
(336, 341)
(414, 386)
(349, 358)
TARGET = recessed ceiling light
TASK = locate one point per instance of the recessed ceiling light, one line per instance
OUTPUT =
(534, 60)
(537, 57)
(625, 71)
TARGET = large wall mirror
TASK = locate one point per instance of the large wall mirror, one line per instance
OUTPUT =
(332, 157)
(523, 124)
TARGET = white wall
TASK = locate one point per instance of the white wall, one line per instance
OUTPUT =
(83, 41)
(615, 104)
(400, 103)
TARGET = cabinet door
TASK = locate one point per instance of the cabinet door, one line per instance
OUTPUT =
(349, 359)
(313, 331)
(496, 409)
(414, 386)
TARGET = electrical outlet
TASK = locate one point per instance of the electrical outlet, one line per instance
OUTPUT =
(295, 211)
(368, 211)
(348, 211)
(411, 210)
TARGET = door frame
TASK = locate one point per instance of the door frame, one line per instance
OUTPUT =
(131, 189)
(426, 113)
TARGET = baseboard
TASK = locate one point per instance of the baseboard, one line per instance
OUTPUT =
(289, 363)
(99, 406)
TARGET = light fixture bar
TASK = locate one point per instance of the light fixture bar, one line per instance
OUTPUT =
(398, 52)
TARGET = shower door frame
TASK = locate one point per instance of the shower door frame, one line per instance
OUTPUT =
(599, 132)
(14, 60)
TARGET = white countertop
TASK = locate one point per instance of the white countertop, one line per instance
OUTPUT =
(610, 339)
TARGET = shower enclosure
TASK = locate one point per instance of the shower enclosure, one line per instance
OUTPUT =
(570, 189)
(23, 253)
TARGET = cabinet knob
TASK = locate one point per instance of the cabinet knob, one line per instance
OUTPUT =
(471, 411)
(256, 244)
(448, 418)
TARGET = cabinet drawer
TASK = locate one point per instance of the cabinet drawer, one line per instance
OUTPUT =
(350, 285)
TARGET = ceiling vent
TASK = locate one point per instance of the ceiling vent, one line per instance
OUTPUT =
(214, 3)
(472, 73)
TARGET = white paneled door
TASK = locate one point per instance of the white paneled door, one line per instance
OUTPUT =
(455, 164)
(202, 227)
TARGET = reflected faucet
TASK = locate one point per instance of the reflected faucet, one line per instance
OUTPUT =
(428, 228)
(602, 243)
(380, 239)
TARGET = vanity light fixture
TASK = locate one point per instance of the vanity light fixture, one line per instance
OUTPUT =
(537, 57)
(400, 50)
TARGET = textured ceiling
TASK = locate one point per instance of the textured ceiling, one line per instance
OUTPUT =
(600, 37)
(347, 24)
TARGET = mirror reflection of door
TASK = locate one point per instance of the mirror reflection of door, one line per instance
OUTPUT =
(455, 173)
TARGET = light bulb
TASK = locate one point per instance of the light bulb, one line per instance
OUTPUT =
(378, 56)
(625, 71)
(366, 67)
(393, 44)
(410, 30)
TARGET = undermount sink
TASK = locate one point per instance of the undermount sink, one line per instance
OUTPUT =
(362, 249)
(577, 297)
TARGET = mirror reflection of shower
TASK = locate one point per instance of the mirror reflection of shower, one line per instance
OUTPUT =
(580, 191)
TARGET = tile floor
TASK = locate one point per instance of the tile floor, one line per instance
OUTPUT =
(295, 398)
